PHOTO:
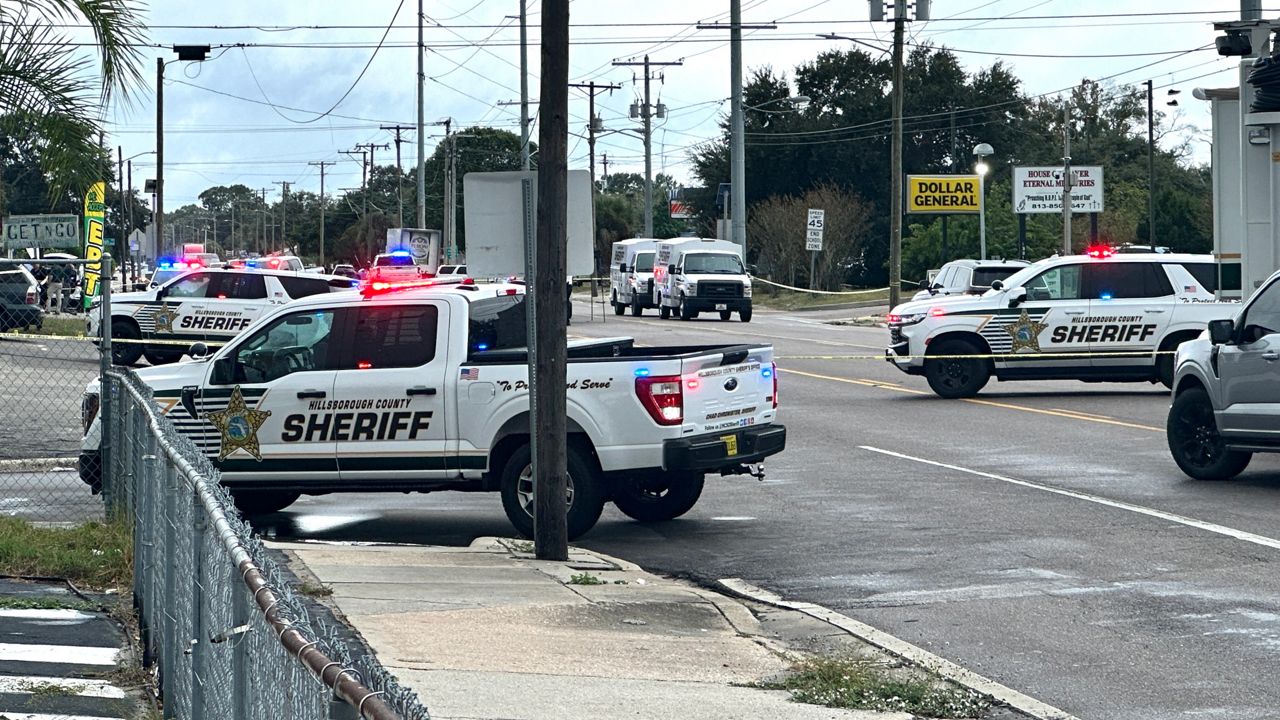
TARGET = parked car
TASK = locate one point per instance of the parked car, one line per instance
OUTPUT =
(968, 277)
(19, 299)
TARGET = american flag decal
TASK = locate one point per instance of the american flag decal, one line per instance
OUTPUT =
(469, 373)
(1189, 288)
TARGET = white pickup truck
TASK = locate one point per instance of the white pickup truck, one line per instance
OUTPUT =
(425, 389)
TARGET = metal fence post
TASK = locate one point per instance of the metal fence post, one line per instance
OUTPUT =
(104, 367)
(144, 553)
(240, 685)
(169, 621)
(199, 639)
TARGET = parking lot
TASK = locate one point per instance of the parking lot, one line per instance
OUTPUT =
(1038, 534)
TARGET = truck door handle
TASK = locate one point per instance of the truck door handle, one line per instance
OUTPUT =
(1271, 356)
(304, 394)
(1153, 311)
(1074, 312)
(420, 390)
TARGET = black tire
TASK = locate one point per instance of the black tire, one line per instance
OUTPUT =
(745, 314)
(725, 315)
(618, 307)
(126, 353)
(586, 500)
(659, 496)
(664, 312)
(956, 377)
(263, 502)
(1164, 363)
(636, 308)
(686, 313)
(161, 357)
(1195, 443)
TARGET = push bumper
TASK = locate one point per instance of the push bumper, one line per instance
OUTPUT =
(724, 450)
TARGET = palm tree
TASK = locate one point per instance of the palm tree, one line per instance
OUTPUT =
(53, 97)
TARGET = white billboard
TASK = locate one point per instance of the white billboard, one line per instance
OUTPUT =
(493, 210)
(48, 232)
(1039, 189)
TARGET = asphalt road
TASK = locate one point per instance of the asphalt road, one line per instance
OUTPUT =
(41, 382)
(1038, 534)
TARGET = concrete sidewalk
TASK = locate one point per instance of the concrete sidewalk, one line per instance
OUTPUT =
(489, 632)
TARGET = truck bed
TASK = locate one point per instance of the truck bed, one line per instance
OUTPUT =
(620, 349)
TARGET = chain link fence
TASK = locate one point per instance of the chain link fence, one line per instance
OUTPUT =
(45, 363)
(219, 617)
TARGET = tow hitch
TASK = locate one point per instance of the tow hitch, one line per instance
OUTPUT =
(755, 470)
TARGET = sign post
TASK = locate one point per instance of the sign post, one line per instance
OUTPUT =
(814, 226)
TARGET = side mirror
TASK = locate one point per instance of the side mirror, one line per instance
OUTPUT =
(752, 270)
(622, 267)
(673, 269)
(1016, 296)
(997, 284)
(198, 350)
(222, 371)
(1221, 331)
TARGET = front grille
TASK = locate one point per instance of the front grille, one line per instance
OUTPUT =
(719, 289)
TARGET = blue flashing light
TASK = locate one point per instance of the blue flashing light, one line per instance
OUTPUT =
(401, 253)
(767, 372)
(1106, 296)
(642, 372)
(482, 346)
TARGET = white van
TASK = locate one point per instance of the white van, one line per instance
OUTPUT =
(693, 275)
(631, 275)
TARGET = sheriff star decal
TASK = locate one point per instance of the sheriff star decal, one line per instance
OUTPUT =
(1025, 333)
(164, 319)
(238, 425)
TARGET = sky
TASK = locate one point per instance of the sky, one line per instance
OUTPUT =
(228, 120)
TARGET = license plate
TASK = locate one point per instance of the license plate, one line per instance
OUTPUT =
(730, 444)
(722, 306)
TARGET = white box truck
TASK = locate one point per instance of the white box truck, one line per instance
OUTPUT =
(631, 275)
(694, 275)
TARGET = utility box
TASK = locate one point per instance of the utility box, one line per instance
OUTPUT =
(1228, 203)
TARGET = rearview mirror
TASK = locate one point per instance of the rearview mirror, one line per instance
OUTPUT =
(198, 350)
(298, 320)
(1221, 331)
(1016, 296)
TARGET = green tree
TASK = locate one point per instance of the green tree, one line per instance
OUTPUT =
(51, 102)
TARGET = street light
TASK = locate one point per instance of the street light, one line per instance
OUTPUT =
(186, 53)
(796, 102)
(127, 199)
(982, 150)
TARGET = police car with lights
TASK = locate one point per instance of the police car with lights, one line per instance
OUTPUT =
(417, 388)
(200, 304)
(1101, 317)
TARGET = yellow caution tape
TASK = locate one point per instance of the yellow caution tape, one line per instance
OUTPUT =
(984, 356)
(114, 341)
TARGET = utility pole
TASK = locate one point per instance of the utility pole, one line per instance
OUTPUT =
(955, 162)
(322, 165)
(1066, 178)
(159, 208)
(123, 238)
(646, 113)
(548, 398)
(895, 219)
(604, 168)
(399, 172)
(450, 193)
(129, 204)
(364, 190)
(284, 211)
(422, 180)
(262, 247)
(1151, 167)
(593, 126)
(524, 86)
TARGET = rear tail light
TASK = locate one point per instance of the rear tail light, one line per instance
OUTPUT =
(775, 385)
(88, 410)
(662, 397)
(33, 296)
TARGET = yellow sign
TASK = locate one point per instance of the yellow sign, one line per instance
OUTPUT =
(95, 215)
(943, 194)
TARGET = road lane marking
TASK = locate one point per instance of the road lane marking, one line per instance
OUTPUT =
(23, 715)
(51, 614)
(74, 654)
(883, 385)
(901, 648)
(1097, 499)
(79, 687)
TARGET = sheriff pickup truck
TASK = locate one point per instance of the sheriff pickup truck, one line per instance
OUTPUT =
(425, 388)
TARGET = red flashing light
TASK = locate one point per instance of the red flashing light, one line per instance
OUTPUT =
(893, 318)
(692, 383)
(222, 297)
(937, 312)
(273, 263)
(775, 386)
(1100, 251)
(364, 365)
(662, 397)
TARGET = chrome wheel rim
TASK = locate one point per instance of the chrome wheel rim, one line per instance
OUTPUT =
(524, 489)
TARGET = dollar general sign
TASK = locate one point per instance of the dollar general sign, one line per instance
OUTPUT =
(943, 194)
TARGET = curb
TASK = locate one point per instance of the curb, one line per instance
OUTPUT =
(903, 649)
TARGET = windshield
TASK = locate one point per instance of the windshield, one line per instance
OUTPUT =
(709, 264)
(984, 276)
(1024, 274)
(644, 262)
(394, 261)
(163, 276)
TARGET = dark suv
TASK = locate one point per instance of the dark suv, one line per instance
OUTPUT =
(19, 299)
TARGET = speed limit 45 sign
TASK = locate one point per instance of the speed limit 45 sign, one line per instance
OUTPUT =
(813, 229)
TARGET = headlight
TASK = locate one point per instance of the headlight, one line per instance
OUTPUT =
(689, 287)
(907, 319)
(746, 290)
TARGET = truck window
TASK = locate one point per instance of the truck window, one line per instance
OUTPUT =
(1117, 281)
(300, 287)
(497, 324)
(400, 336)
(394, 261)
(1056, 283)
(984, 276)
(711, 264)
(195, 285)
(297, 342)
(644, 262)
(241, 286)
(1263, 316)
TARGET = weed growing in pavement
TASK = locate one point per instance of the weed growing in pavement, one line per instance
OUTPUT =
(523, 546)
(314, 590)
(46, 690)
(47, 603)
(858, 684)
(585, 579)
(94, 554)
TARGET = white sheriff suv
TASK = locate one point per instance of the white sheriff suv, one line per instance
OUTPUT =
(424, 389)
(1226, 392)
(198, 306)
(1099, 317)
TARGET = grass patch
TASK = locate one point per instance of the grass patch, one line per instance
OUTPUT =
(47, 603)
(95, 555)
(60, 326)
(790, 300)
(585, 579)
(314, 590)
(856, 684)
